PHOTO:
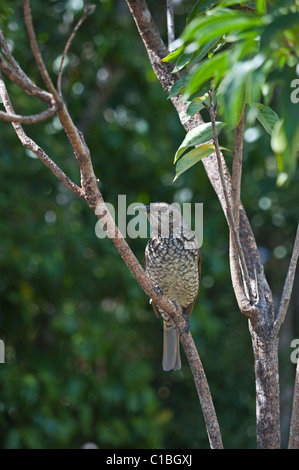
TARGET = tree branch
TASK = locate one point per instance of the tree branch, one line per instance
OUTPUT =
(13, 63)
(87, 11)
(35, 50)
(32, 119)
(247, 307)
(288, 287)
(294, 428)
(170, 23)
(237, 168)
(157, 51)
(262, 313)
(25, 83)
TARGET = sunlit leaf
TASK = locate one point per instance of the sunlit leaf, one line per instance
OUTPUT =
(193, 157)
(208, 69)
(199, 135)
(173, 56)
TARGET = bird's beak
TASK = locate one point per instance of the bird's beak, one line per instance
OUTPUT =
(142, 208)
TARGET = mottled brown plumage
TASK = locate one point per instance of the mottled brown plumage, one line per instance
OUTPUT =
(172, 262)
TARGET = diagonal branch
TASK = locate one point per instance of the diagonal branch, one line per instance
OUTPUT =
(247, 306)
(13, 63)
(35, 50)
(25, 83)
(288, 287)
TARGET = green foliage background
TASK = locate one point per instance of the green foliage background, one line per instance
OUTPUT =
(83, 348)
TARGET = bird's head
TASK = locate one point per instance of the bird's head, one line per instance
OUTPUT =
(166, 220)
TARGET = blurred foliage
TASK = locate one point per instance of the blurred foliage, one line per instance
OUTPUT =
(250, 51)
(83, 347)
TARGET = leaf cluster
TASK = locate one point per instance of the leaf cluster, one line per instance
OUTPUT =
(249, 50)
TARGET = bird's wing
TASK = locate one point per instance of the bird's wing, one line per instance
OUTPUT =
(189, 309)
(155, 308)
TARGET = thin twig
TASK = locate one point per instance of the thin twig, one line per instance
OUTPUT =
(235, 267)
(13, 63)
(87, 11)
(32, 119)
(230, 216)
(288, 287)
(237, 168)
(35, 49)
(170, 23)
(25, 83)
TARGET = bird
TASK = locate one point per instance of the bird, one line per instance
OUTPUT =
(172, 261)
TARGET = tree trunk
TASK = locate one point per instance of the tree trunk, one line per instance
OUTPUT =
(265, 350)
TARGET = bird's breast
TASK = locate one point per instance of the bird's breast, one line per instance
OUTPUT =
(174, 268)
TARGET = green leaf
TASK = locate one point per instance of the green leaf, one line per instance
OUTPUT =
(234, 88)
(201, 7)
(178, 86)
(192, 157)
(210, 68)
(261, 7)
(173, 56)
(201, 52)
(204, 29)
(182, 61)
(199, 135)
(267, 117)
(196, 105)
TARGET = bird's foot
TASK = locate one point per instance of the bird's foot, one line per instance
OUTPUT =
(185, 315)
(159, 290)
(187, 326)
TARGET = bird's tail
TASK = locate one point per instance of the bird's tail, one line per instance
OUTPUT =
(171, 348)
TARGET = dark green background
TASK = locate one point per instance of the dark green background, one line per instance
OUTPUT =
(83, 347)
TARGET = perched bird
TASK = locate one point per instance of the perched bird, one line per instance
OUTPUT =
(172, 262)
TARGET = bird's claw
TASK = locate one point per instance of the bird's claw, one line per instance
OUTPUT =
(159, 290)
(187, 326)
(185, 315)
